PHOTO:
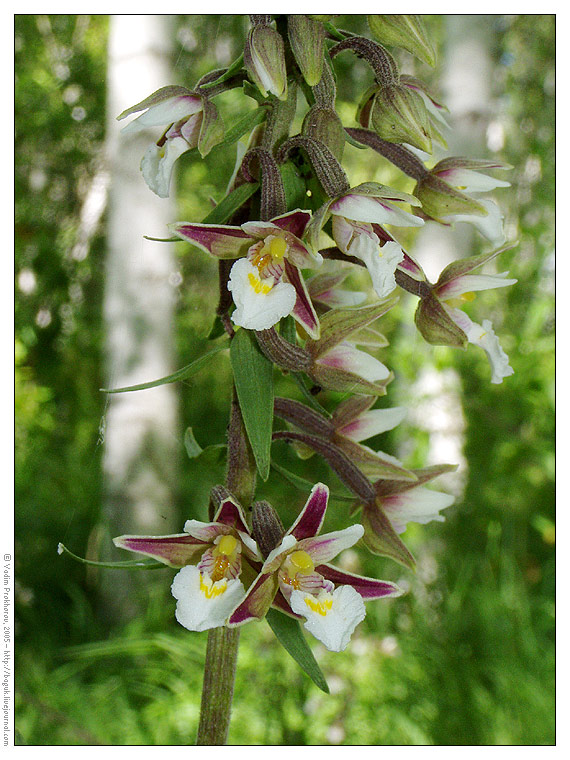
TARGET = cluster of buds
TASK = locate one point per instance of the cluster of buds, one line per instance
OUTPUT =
(233, 570)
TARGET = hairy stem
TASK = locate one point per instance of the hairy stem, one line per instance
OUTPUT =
(218, 689)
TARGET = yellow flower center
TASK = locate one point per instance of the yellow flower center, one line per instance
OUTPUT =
(257, 286)
(272, 248)
(320, 607)
(459, 300)
(212, 587)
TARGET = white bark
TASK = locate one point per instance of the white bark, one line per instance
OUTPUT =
(141, 435)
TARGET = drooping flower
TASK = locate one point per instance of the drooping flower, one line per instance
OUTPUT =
(398, 502)
(264, 59)
(209, 585)
(192, 122)
(266, 282)
(337, 364)
(354, 421)
(330, 600)
(445, 190)
(357, 217)
(441, 322)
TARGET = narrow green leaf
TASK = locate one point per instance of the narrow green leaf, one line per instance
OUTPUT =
(130, 564)
(253, 376)
(244, 125)
(231, 203)
(290, 636)
(181, 374)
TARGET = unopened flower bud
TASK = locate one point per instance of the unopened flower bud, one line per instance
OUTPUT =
(264, 59)
(397, 114)
(307, 36)
(404, 31)
(266, 527)
(324, 124)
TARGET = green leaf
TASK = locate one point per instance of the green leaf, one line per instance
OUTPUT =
(231, 203)
(253, 376)
(181, 374)
(289, 634)
(244, 125)
(130, 564)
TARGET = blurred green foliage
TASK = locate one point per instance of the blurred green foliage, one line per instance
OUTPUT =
(467, 657)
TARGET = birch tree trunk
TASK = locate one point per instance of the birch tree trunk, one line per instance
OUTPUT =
(141, 436)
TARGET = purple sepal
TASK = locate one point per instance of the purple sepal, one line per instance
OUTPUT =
(257, 600)
(311, 518)
(176, 550)
(368, 588)
(221, 241)
(294, 221)
(303, 311)
(230, 513)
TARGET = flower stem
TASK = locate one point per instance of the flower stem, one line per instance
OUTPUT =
(218, 688)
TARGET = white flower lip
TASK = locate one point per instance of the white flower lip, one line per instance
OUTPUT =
(330, 618)
(260, 303)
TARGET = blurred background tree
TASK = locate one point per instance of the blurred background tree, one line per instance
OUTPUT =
(467, 657)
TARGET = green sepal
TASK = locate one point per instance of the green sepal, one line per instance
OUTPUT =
(436, 326)
(307, 36)
(289, 634)
(464, 266)
(339, 324)
(181, 374)
(405, 31)
(381, 538)
(253, 377)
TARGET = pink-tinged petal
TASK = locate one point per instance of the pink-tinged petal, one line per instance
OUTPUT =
(368, 588)
(207, 532)
(257, 600)
(322, 549)
(421, 505)
(373, 422)
(470, 181)
(411, 267)
(345, 356)
(469, 283)
(261, 230)
(230, 513)
(221, 241)
(294, 221)
(277, 555)
(303, 311)
(312, 515)
(362, 208)
(167, 112)
(177, 550)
